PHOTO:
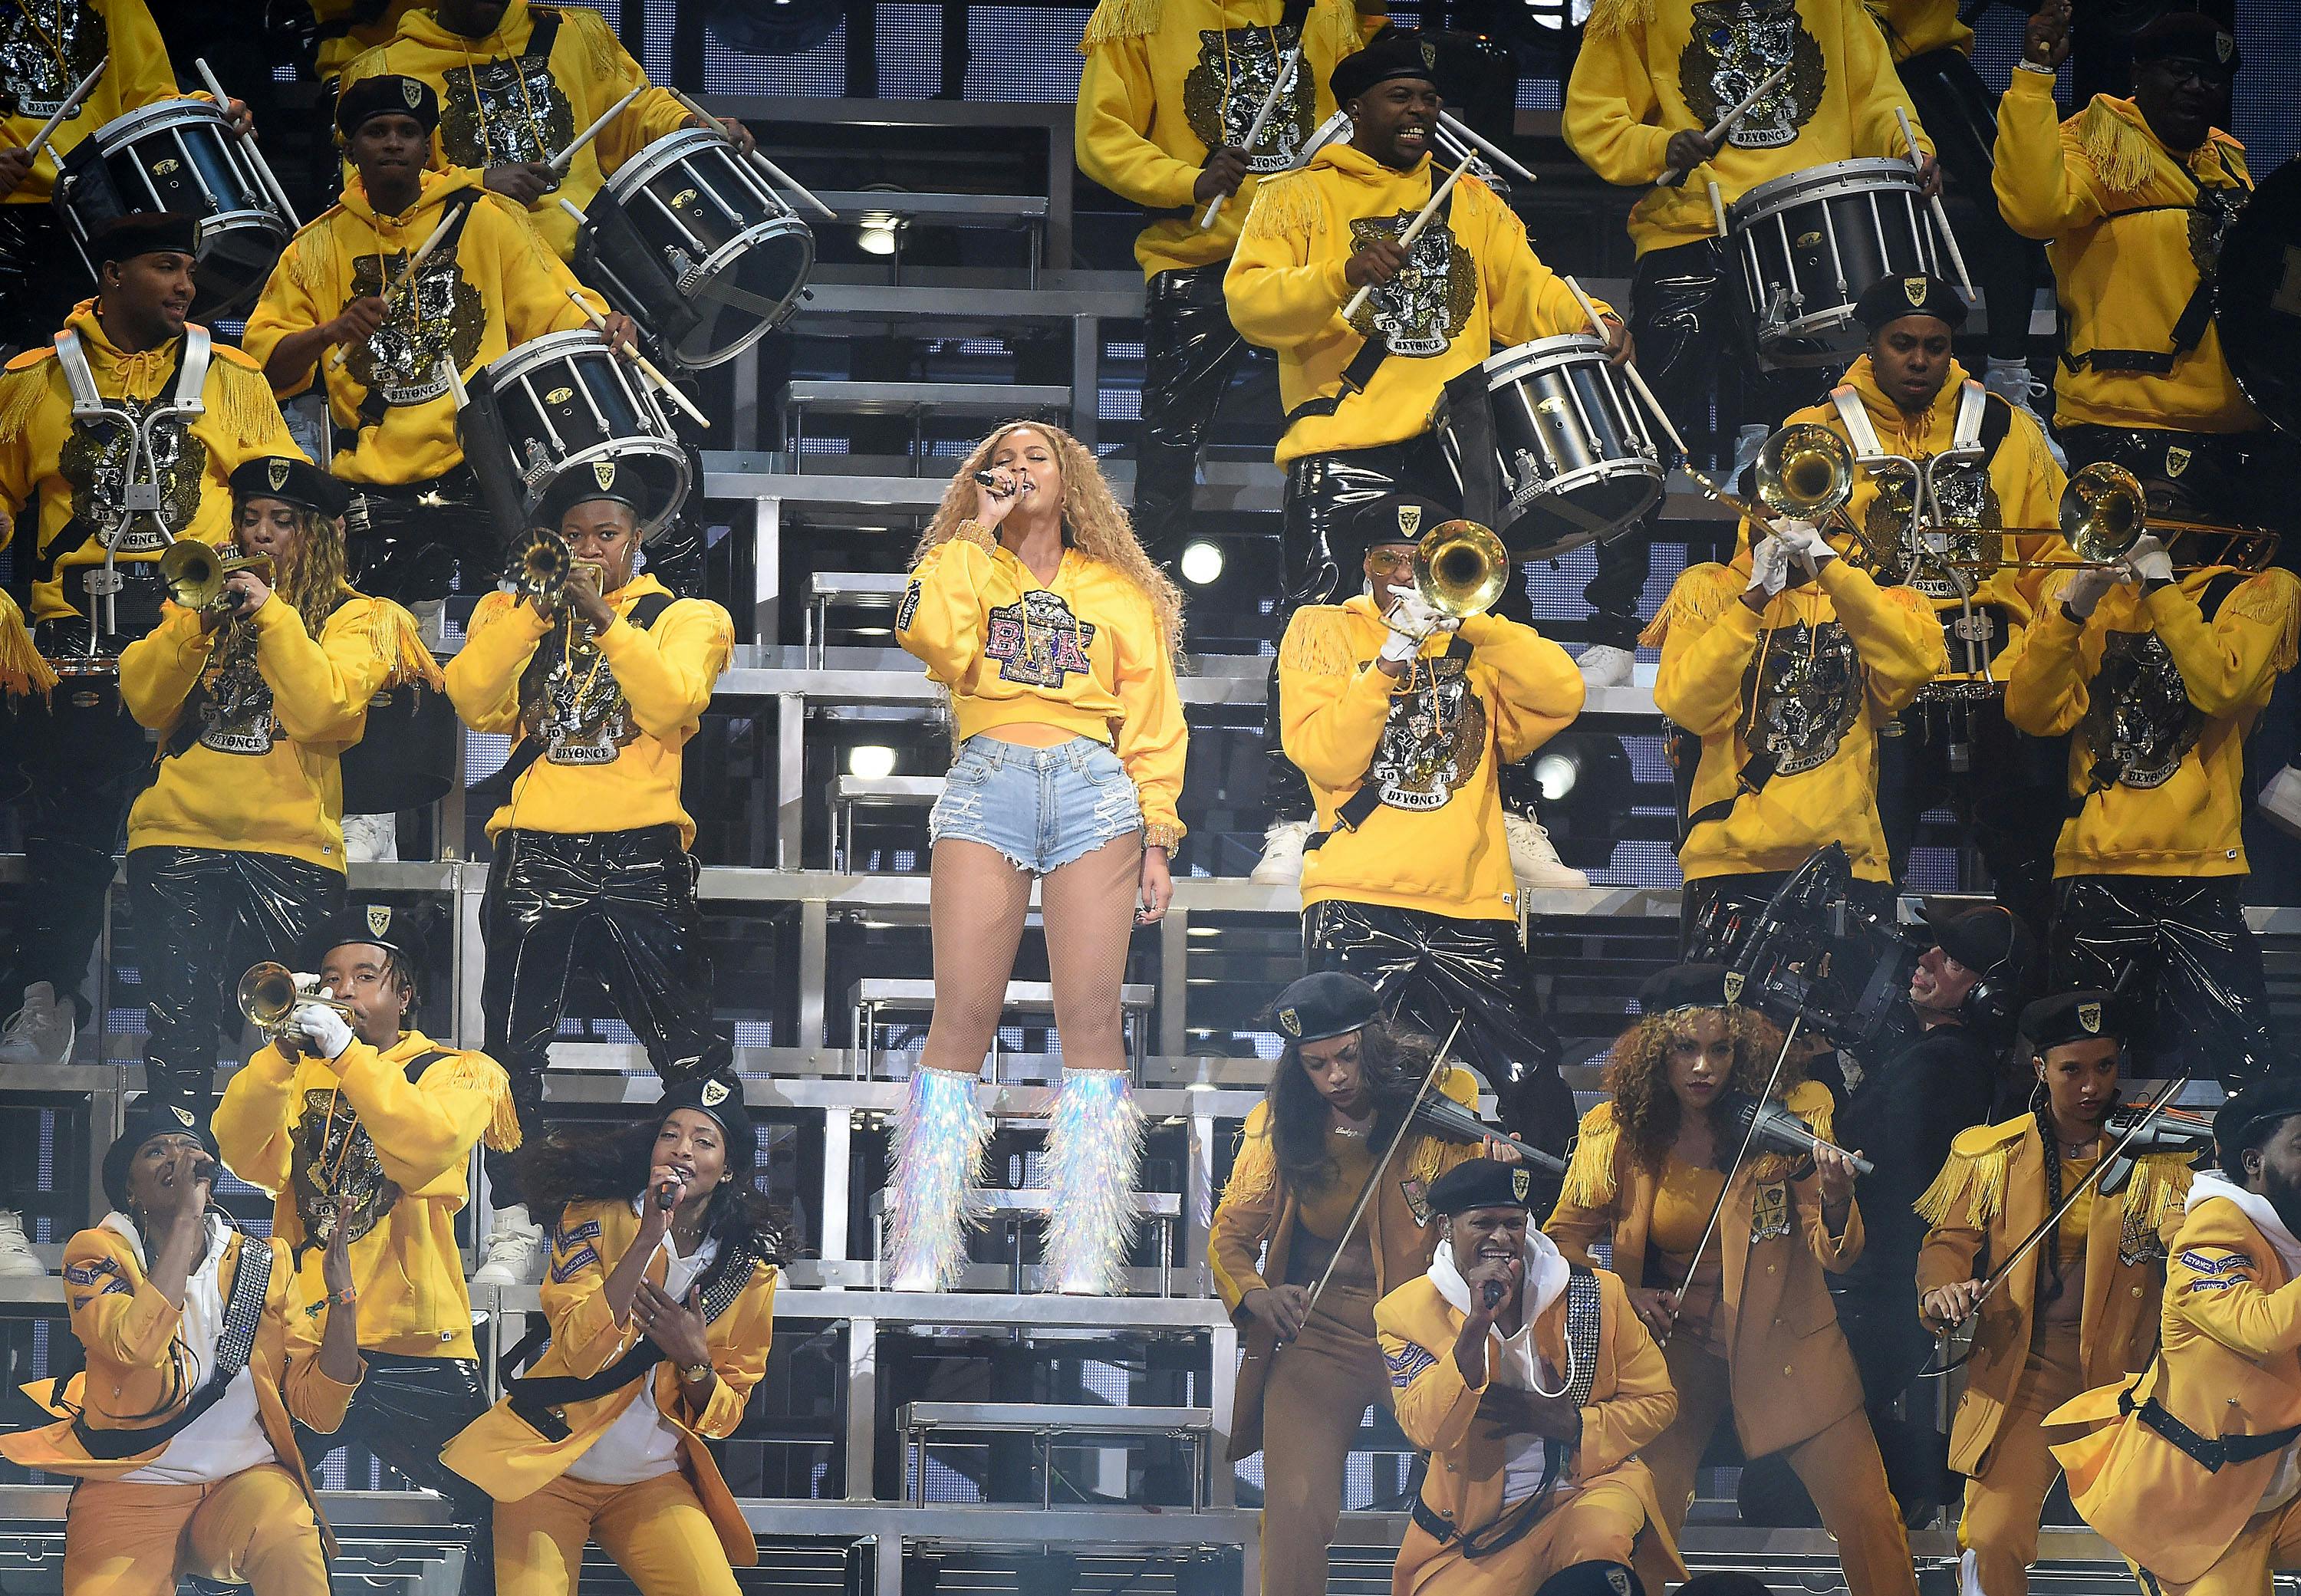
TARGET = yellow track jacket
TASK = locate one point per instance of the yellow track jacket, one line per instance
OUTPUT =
(49, 49)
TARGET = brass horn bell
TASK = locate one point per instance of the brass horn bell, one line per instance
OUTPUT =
(195, 572)
(1461, 568)
(2104, 513)
(1805, 471)
(269, 993)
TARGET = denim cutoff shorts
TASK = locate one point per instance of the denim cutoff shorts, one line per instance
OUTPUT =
(1042, 807)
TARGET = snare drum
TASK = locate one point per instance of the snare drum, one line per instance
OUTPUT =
(180, 155)
(1810, 242)
(1577, 464)
(690, 236)
(557, 404)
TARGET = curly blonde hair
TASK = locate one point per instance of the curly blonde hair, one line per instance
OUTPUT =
(314, 581)
(1092, 521)
(1637, 1075)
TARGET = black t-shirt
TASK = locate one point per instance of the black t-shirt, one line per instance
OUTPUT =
(1902, 1117)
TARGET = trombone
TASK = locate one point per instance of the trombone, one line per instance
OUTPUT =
(196, 572)
(269, 993)
(2104, 512)
(1461, 568)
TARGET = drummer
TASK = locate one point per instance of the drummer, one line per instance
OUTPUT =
(1653, 76)
(1359, 394)
(517, 84)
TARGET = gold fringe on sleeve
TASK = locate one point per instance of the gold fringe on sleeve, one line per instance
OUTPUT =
(1287, 206)
(244, 403)
(2120, 154)
(1120, 19)
(1590, 1172)
(1909, 599)
(476, 1072)
(1697, 597)
(1617, 16)
(1979, 1179)
(1318, 642)
(1253, 1170)
(2273, 598)
(2160, 1186)
(398, 642)
(21, 669)
(22, 390)
(311, 258)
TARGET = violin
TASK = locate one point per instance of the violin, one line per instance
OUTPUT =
(1442, 1115)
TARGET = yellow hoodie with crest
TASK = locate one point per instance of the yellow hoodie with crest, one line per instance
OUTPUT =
(392, 403)
(48, 50)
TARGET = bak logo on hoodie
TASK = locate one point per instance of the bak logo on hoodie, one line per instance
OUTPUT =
(1803, 691)
(1733, 49)
(403, 361)
(44, 50)
(502, 111)
(1418, 312)
(1235, 68)
(1038, 642)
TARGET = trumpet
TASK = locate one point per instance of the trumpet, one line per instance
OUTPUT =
(269, 993)
(537, 570)
(1461, 568)
(196, 572)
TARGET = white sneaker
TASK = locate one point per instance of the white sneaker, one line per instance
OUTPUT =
(40, 1033)
(1602, 665)
(371, 838)
(2012, 382)
(16, 1256)
(1281, 864)
(516, 1250)
(2279, 802)
(431, 622)
(1749, 443)
(1535, 861)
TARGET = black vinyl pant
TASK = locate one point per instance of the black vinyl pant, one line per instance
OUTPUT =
(2179, 946)
(1960, 114)
(203, 916)
(1708, 930)
(1190, 354)
(2006, 788)
(616, 909)
(41, 277)
(404, 1411)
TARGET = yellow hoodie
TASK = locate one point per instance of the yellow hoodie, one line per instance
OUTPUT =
(1165, 80)
(1471, 285)
(1652, 68)
(2114, 205)
(393, 406)
(499, 106)
(1915, 28)
(76, 471)
(45, 50)
(615, 719)
(1810, 680)
(309, 1129)
(270, 712)
(1434, 741)
(2187, 692)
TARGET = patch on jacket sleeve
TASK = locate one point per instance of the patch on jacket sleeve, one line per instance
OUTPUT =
(1406, 1364)
(90, 1272)
(564, 1269)
(2226, 1263)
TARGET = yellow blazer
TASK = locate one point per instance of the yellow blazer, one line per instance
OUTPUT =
(1257, 1208)
(506, 1457)
(1987, 1200)
(1631, 1402)
(2228, 1365)
(1791, 1373)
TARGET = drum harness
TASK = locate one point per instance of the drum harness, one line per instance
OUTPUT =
(2188, 327)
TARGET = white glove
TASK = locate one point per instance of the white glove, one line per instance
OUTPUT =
(1804, 539)
(2149, 559)
(1412, 620)
(2084, 589)
(323, 1028)
(1769, 566)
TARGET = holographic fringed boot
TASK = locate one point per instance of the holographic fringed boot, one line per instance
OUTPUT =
(1094, 1145)
(938, 1143)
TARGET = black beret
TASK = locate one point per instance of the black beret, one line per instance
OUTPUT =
(387, 94)
(1592, 1579)
(1329, 1003)
(146, 232)
(1392, 518)
(1394, 53)
(1890, 299)
(148, 1118)
(1985, 937)
(610, 479)
(376, 924)
(2188, 36)
(292, 479)
(2070, 1017)
(721, 1098)
(1482, 1184)
(1688, 986)
(2253, 1114)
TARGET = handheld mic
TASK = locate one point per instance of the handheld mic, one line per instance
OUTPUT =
(1775, 1128)
(666, 1196)
(1495, 1293)
(986, 479)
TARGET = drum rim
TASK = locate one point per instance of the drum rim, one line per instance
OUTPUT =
(623, 448)
(538, 351)
(1599, 471)
(1540, 354)
(1813, 182)
(719, 260)
(654, 156)
(163, 114)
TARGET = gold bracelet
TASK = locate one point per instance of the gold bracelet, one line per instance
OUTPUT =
(971, 531)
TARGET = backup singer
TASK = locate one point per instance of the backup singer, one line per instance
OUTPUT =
(1400, 717)
(200, 1345)
(235, 851)
(592, 879)
(1358, 394)
(1646, 1174)
(1652, 77)
(362, 1129)
(1532, 1381)
(661, 1303)
(1345, 1078)
(1033, 604)
(2079, 1309)
(131, 348)
(1168, 93)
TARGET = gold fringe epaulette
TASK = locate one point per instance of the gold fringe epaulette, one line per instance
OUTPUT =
(1120, 19)
(2160, 1187)
(23, 389)
(1697, 597)
(1253, 1169)
(1975, 1175)
(599, 45)
(311, 258)
(21, 669)
(246, 406)
(1287, 206)
(2120, 153)
(398, 642)
(2273, 598)
(476, 1072)
(1617, 16)
(1810, 1101)
(1590, 1172)
(1909, 599)
(1320, 642)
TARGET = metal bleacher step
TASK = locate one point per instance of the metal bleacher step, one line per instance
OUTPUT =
(941, 210)
(848, 793)
(904, 398)
(1047, 1422)
(874, 994)
(1009, 1207)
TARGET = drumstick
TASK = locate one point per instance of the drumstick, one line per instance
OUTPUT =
(1486, 146)
(1413, 231)
(1671, 177)
(256, 160)
(1941, 215)
(557, 164)
(773, 171)
(343, 351)
(647, 367)
(80, 91)
(1717, 206)
(455, 382)
(1254, 129)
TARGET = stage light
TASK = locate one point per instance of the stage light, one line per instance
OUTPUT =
(1586, 793)
(1201, 564)
(871, 762)
(1556, 774)
(880, 234)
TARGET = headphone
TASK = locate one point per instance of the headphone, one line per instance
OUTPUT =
(1991, 1000)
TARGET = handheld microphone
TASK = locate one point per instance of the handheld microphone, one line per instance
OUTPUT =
(1775, 1128)
(666, 1196)
(1495, 1293)
(987, 479)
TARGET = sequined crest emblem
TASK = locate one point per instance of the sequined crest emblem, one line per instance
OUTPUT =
(1433, 740)
(439, 323)
(2177, 459)
(1521, 1182)
(1804, 690)
(1732, 50)
(603, 472)
(230, 704)
(1409, 522)
(411, 93)
(1732, 986)
(1418, 1198)
(95, 457)
(1913, 289)
(2139, 1242)
(2210, 220)
(1966, 499)
(715, 1092)
(379, 919)
(1036, 640)
(334, 1157)
(32, 38)
(1290, 1022)
(1770, 1212)
(504, 111)
(1418, 312)
(2138, 719)
(568, 696)
(2090, 1017)
(1224, 89)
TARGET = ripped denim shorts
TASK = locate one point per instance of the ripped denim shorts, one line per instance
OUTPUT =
(1042, 807)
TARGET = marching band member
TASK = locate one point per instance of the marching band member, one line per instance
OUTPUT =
(129, 348)
(2079, 1309)
(1647, 1174)
(354, 1115)
(1360, 393)
(661, 1303)
(600, 688)
(235, 851)
(2191, 1473)
(1399, 717)
(516, 83)
(1531, 1382)
(2157, 673)
(1166, 100)
(200, 1345)
(1652, 77)
(1033, 604)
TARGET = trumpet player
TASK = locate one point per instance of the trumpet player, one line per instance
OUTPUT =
(361, 1127)
(1401, 705)
(601, 676)
(256, 678)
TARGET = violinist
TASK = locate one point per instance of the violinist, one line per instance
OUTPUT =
(2077, 1309)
